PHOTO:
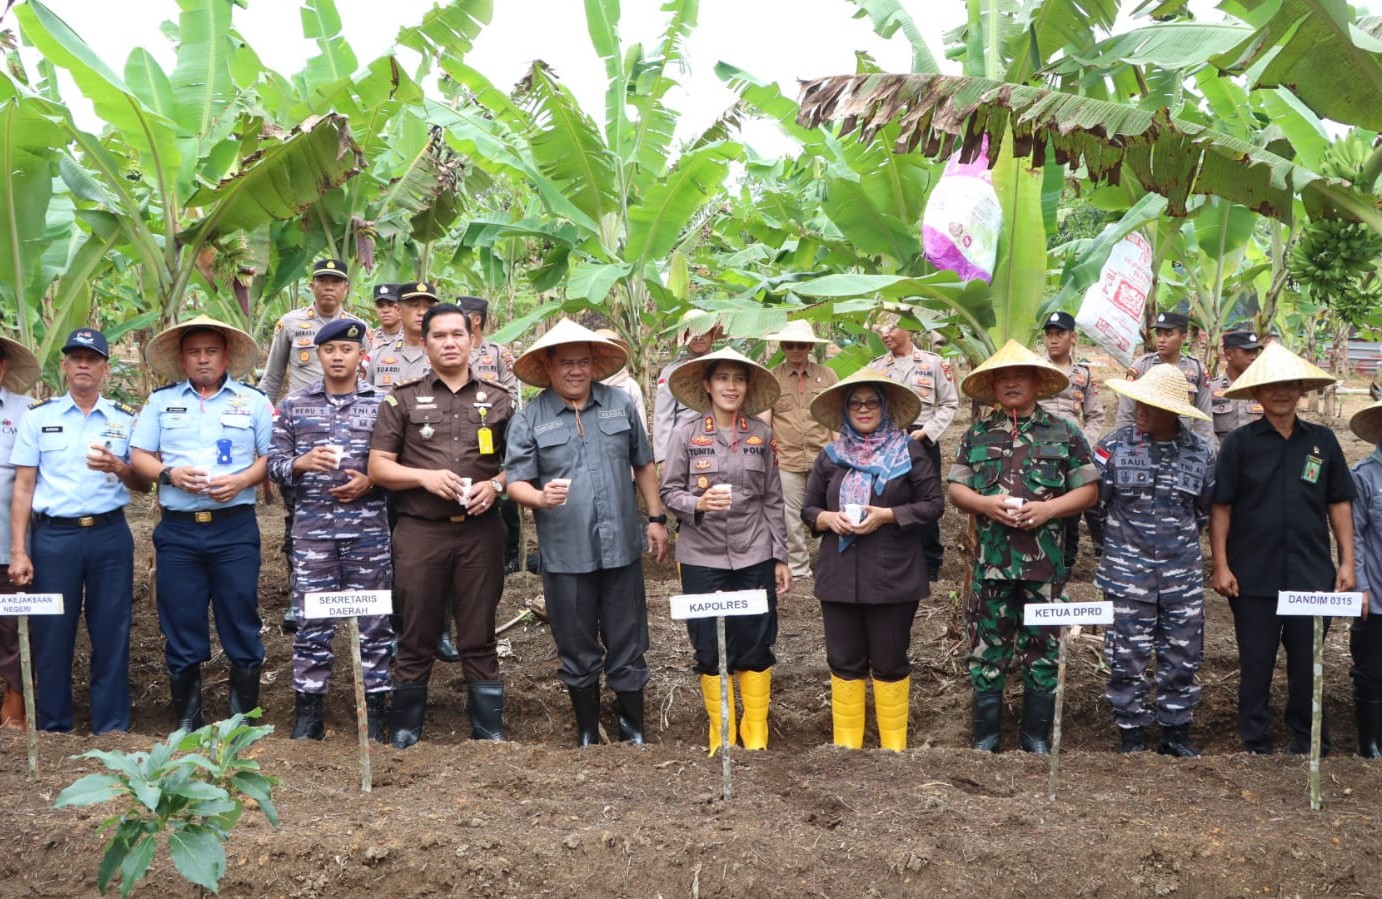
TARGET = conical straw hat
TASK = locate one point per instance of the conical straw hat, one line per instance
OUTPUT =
(978, 384)
(828, 407)
(1366, 423)
(1162, 386)
(799, 331)
(24, 370)
(1277, 365)
(165, 351)
(686, 382)
(607, 357)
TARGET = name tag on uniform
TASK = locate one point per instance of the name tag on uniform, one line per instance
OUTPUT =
(1311, 473)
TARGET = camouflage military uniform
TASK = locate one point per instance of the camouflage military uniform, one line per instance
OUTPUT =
(1230, 414)
(1156, 497)
(336, 545)
(1197, 379)
(1047, 458)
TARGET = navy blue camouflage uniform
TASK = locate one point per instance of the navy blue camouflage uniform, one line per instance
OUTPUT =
(1156, 498)
(336, 545)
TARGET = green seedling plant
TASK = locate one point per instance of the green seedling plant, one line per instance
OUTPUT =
(190, 789)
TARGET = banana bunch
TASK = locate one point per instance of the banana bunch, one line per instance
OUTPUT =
(1347, 159)
(1336, 258)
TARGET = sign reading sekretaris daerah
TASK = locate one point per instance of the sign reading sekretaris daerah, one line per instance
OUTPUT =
(347, 604)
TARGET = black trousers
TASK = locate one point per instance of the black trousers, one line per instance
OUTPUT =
(931, 545)
(600, 621)
(1365, 645)
(1259, 631)
(749, 639)
(868, 638)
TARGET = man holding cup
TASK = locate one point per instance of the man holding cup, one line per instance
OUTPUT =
(72, 480)
(320, 448)
(204, 439)
(439, 444)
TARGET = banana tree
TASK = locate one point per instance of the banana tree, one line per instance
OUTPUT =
(187, 163)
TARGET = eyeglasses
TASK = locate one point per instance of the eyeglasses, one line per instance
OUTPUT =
(862, 405)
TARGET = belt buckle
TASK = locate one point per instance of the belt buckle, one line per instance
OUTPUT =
(201, 517)
(86, 521)
(456, 519)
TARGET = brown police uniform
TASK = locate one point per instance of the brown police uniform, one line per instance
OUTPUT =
(397, 363)
(800, 438)
(1197, 381)
(1079, 402)
(493, 362)
(439, 551)
(1230, 414)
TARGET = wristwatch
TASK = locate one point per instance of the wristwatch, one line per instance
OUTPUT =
(498, 487)
(165, 477)
(658, 519)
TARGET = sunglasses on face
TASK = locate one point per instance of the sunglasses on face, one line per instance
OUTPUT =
(795, 346)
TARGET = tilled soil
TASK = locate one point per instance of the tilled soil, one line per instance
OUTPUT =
(536, 816)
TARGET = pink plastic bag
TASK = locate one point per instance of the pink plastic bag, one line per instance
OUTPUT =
(959, 230)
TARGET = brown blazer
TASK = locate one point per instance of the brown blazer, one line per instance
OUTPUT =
(885, 566)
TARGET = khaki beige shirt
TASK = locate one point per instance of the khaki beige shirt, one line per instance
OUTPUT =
(930, 378)
(397, 363)
(1079, 402)
(1230, 414)
(1197, 383)
(799, 436)
(754, 529)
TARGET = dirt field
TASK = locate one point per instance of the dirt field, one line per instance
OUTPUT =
(535, 816)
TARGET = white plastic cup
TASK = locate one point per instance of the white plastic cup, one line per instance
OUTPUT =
(854, 513)
(338, 451)
(1014, 502)
(726, 489)
(562, 482)
(464, 497)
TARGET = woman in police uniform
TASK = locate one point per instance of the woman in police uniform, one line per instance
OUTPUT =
(720, 477)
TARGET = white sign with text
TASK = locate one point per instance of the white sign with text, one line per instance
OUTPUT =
(30, 604)
(1054, 614)
(347, 604)
(1312, 602)
(715, 605)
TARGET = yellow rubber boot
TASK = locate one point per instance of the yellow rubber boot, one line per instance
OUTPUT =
(710, 691)
(755, 688)
(891, 703)
(847, 698)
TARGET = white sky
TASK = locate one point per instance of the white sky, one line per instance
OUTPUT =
(779, 39)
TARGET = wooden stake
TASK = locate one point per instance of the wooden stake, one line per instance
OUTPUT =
(724, 704)
(361, 715)
(1060, 708)
(27, 682)
(1317, 715)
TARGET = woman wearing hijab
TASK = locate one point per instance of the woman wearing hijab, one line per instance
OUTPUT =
(868, 494)
(720, 477)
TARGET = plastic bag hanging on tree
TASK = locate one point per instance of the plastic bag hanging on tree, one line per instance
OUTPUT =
(960, 227)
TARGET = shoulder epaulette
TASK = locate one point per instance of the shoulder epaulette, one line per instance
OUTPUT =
(493, 383)
(37, 403)
(124, 407)
(168, 386)
(253, 387)
(409, 383)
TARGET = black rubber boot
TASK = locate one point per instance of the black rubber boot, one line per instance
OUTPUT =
(1038, 710)
(1130, 740)
(244, 690)
(1175, 740)
(405, 718)
(1367, 705)
(988, 721)
(307, 717)
(446, 650)
(290, 619)
(377, 716)
(187, 698)
(486, 710)
(628, 706)
(585, 701)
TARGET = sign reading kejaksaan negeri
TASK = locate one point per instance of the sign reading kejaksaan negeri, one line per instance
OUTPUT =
(347, 604)
(720, 605)
(30, 604)
(1318, 602)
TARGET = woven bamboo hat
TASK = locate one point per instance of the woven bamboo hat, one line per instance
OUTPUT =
(24, 370)
(799, 331)
(978, 384)
(165, 351)
(828, 407)
(607, 357)
(613, 337)
(1366, 423)
(686, 382)
(1278, 365)
(1162, 386)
